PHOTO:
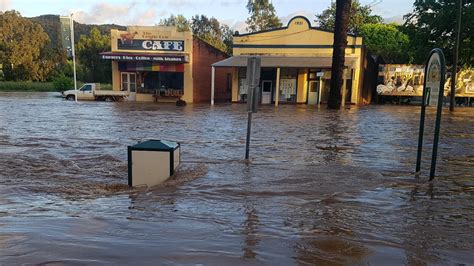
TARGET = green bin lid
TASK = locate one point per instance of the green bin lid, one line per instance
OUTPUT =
(156, 145)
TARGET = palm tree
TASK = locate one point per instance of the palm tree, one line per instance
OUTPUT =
(341, 26)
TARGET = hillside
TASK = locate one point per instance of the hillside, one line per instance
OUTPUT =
(51, 26)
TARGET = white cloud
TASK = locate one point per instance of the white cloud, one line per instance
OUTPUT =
(395, 19)
(132, 13)
(5, 5)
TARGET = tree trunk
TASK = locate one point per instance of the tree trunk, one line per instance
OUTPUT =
(340, 42)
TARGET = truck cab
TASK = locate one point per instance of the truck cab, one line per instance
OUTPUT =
(86, 92)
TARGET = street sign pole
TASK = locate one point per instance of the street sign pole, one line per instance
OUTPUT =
(253, 79)
(73, 57)
(433, 93)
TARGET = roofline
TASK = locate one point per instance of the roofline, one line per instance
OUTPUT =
(286, 27)
(211, 46)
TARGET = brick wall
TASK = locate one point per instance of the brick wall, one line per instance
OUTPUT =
(204, 55)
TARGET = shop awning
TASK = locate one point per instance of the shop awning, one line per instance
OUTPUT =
(283, 61)
(150, 57)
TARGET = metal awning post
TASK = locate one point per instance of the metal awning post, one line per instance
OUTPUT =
(213, 75)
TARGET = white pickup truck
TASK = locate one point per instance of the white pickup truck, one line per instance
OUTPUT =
(92, 92)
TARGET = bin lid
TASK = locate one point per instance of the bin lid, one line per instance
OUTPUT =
(156, 145)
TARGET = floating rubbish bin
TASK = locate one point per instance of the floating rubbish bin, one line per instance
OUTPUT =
(152, 162)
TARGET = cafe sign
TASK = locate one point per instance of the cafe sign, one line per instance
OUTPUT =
(150, 45)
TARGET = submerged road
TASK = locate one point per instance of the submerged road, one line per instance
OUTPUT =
(322, 187)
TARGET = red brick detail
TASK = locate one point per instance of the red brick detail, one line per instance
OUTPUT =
(204, 55)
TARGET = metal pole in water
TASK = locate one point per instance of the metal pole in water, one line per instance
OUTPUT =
(422, 129)
(249, 129)
(73, 58)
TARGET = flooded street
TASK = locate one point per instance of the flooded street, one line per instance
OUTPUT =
(322, 186)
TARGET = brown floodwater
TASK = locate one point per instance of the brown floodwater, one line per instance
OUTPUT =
(322, 187)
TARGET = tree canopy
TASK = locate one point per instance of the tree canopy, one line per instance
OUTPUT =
(387, 41)
(432, 24)
(359, 15)
(88, 53)
(262, 16)
(178, 21)
(208, 29)
(22, 44)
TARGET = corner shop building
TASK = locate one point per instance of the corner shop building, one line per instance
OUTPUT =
(296, 64)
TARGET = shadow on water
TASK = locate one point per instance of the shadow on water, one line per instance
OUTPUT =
(322, 187)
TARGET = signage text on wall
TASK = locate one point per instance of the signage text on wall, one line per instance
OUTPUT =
(150, 45)
(153, 58)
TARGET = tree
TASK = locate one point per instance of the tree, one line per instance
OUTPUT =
(207, 29)
(387, 41)
(212, 31)
(262, 16)
(339, 50)
(88, 52)
(179, 21)
(22, 44)
(359, 15)
(431, 24)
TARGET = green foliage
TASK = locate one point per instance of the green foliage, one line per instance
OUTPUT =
(432, 24)
(387, 41)
(62, 83)
(22, 44)
(208, 29)
(26, 86)
(179, 21)
(360, 15)
(88, 52)
(262, 16)
(213, 32)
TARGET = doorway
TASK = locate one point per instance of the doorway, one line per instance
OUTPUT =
(313, 92)
(129, 83)
(267, 91)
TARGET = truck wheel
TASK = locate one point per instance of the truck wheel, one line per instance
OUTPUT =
(109, 99)
(70, 97)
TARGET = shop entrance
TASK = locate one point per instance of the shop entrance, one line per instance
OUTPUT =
(267, 91)
(129, 83)
(313, 93)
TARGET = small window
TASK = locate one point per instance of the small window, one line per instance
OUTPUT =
(87, 88)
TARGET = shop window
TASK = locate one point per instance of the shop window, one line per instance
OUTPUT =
(163, 83)
(288, 83)
(242, 84)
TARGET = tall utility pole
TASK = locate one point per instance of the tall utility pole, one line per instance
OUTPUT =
(73, 58)
(455, 57)
(341, 25)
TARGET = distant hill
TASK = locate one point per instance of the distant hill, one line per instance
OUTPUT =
(51, 26)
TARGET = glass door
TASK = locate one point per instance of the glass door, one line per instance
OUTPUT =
(129, 83)
(313, 93)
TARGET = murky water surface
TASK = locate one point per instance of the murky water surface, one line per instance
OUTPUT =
(323, 187)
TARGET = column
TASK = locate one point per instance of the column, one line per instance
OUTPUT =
(213, 74)
(277, 87)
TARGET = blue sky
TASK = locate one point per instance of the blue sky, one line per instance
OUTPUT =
(149, 12)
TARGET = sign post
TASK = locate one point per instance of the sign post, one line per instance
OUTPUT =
(433, 91)
(253, 79)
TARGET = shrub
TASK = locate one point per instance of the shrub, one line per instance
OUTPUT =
(62, 83)
(25, 86)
